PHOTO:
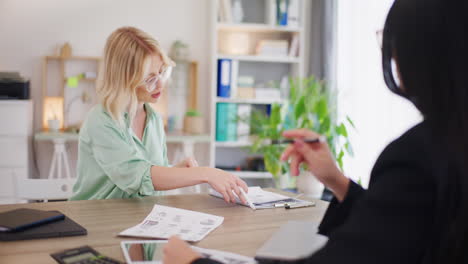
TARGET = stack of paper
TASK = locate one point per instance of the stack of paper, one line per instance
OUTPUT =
(164, 222)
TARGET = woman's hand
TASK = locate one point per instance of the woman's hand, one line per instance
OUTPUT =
(187, 163)
(177, 251)
(226, 183)
(318, 158)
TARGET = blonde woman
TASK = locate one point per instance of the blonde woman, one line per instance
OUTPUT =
(122, 148)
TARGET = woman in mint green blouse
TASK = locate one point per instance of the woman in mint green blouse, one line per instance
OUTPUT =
(122, 145)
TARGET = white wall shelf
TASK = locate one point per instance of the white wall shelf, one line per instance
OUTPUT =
(259, 101)
(256, 27)
(233, 144)
(259, 58)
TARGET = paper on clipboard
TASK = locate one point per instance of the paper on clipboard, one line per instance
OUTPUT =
(264, 199)
(164, 222)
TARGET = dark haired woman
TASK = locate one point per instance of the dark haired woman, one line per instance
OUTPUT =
(416, 207)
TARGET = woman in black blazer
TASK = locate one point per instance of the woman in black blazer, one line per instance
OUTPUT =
(416, 207)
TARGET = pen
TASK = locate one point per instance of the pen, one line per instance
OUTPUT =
(290, 141)
(247, 199)
(298, 205)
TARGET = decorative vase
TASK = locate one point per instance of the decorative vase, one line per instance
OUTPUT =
(282, 181)
(193, 124)
(54, 125)
(66, 50)
(309, 185)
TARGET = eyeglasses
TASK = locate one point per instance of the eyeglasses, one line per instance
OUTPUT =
(152, 82)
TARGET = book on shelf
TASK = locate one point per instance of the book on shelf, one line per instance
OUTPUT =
(245, 92)
(245, 87)
(231, 122)
(221, 133)
(243, 125)
(224, 77)
(234, 75)
(293, 13)
(272, 48)
(226, 122)
(294, 47)
(282, 12)
(225, 11)
(268, 93)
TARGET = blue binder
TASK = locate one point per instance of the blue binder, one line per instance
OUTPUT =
(224, 77)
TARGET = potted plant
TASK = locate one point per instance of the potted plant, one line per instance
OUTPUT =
(193, 122)
(310, 105)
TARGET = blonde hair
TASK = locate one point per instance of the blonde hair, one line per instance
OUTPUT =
(126, 53)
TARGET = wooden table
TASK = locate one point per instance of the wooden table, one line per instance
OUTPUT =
(243, 230)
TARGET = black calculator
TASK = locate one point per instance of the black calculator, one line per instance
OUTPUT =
(82, 255)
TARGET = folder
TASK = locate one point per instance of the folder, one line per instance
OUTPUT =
(61, 228)
(24, 218)
(224, 77)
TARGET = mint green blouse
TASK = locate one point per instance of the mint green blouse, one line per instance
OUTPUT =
(113, 162)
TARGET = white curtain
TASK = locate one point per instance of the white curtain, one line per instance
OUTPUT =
(379, 115)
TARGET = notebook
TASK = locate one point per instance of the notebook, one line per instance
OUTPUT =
(24, 218)
(61, 228)
(264, 199)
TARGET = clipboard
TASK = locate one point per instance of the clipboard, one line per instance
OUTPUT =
(267, 200)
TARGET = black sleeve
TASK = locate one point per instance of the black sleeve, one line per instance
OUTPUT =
(205, 261)
(337, 212)
(390, 222)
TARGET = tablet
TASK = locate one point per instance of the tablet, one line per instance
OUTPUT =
(151, 252)
(143, 251)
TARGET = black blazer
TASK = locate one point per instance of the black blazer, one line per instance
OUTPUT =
(402, 217)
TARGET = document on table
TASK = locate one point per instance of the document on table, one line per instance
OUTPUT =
(264, 199)
(164, 222)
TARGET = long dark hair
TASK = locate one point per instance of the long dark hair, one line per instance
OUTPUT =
(428, 41)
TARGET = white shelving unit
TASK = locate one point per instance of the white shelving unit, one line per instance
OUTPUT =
(258, 101)
(257, 28)
(257, 58)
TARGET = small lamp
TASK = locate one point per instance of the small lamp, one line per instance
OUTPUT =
(53, 113)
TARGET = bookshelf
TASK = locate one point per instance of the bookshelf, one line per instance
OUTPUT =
(238, 43)
(258, 58)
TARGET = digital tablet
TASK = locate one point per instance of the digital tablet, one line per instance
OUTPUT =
(151, 252)
(143, 251)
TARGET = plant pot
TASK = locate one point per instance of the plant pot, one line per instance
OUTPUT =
(54, 125)
(309, 185)
(193, 124)
(282, 182)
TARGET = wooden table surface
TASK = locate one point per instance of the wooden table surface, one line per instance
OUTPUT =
(243, 230)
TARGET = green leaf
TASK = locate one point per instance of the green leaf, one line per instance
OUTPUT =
(350, 122)
(275, 116)
(321, 108)
(272, 164)
(299, 109)
(339, 159)
(342, 131)
(349, 149)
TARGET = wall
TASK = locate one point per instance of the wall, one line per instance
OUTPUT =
(379, 115)
(33, 29)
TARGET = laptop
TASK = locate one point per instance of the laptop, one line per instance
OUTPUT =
(294, 240)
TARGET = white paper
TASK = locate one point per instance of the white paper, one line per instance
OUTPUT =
(164, 222)
(263, 199)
